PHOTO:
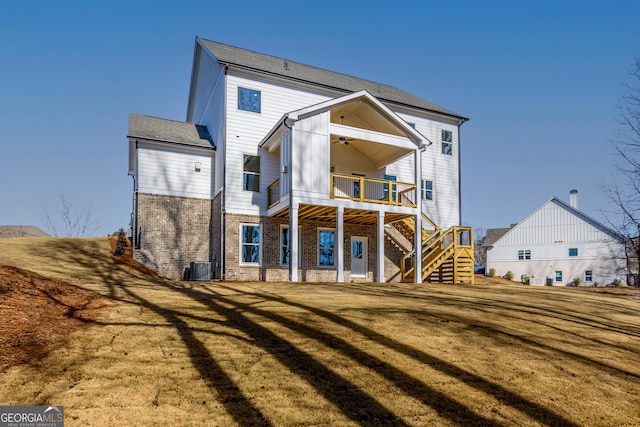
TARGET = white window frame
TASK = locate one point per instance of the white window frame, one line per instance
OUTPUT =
(258, 174)
(573, 249)
(240, 88)
(423, 190)
(525, 254)
(446, 141)
(558, 276)
(241, 244)
(280, 246)
(333, 230)
(588, 276)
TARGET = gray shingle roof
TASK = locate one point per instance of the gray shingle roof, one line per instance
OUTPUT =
(284, 68)
(157, 129)
(493, 234)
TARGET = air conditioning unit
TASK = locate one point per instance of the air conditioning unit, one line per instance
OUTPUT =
(200, 271)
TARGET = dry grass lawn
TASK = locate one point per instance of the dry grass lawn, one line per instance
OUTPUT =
(221, 354)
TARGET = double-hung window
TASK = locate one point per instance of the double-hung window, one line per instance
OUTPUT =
(588, 276)
(447, 142)
(558, 276)
(248, 99)
(250, 244)
(524, 254)
(251, 173)
(326, 247)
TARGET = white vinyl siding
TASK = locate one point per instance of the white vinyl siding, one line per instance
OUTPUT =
(172, 171)
(245, 130)
(443, 170)
(207, 107)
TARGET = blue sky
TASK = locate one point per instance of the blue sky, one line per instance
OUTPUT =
(540, 81)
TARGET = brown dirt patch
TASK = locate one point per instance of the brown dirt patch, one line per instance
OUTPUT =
(38, 313)
(127, 260)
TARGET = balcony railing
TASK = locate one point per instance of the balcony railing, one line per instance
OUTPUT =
(372, 190)
(273, 193)
(360, 189)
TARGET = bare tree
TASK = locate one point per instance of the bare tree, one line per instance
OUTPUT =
(72, 222)
(480, 252)
(624, 192)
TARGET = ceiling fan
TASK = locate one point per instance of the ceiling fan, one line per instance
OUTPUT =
(343, 140)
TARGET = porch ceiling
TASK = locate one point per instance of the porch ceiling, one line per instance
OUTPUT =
(329, 214)
(361, 114)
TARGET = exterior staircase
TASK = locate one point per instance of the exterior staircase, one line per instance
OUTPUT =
(447, 256)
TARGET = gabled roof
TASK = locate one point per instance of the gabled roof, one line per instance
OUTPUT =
(171, 131)
(571, 210)
(493, 235)
(235, 57)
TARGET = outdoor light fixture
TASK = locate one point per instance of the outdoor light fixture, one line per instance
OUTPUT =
(198, 166)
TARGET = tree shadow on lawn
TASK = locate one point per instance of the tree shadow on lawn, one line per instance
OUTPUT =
(445, 406)
(353, 402)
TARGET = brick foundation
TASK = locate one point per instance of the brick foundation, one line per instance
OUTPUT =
(173, 231)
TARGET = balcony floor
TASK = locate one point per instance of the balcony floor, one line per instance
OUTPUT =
(351, 216)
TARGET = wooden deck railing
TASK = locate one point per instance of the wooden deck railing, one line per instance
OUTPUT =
(273, 193)
(373, 190)
(360, 189)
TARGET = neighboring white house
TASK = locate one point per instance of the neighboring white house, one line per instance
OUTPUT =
(283, 171)
(556, 244)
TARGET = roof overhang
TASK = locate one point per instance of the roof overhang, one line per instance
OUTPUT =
(397, 140)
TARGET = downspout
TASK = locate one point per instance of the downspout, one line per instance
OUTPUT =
(459, 174)
(223, 217)
(134, 221)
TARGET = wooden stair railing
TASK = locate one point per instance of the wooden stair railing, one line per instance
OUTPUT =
(447, 257)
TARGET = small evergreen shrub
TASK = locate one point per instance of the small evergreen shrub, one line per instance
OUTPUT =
(616, 282)
(577, 281)
(509, 275)
(121, 243)
(492, 272)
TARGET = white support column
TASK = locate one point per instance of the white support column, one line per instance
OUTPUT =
(340, 244)
(418, 231)
(380, 247)
(294, 255)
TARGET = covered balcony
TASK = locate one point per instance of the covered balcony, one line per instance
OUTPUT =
(338, 153)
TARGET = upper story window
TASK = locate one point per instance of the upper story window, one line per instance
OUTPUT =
(426, 189)
(447, 142)
(251, 173)
(248, 99)
(573, 251)
(524, 254)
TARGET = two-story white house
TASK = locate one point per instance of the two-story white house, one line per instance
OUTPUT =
(556, 244)
(283, 171)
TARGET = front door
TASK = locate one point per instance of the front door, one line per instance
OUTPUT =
(359, 256)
